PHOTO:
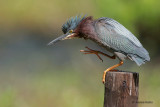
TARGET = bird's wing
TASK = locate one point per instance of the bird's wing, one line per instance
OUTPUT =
(116, 36)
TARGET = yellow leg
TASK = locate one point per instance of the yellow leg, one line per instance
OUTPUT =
(110, 69)
(90, 51)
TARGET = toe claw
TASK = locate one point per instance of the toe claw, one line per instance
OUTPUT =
(82, 51)
(103, 81)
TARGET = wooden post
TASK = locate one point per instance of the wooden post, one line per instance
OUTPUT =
(121, 89)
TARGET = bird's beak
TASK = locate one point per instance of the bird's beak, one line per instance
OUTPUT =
(62, 37)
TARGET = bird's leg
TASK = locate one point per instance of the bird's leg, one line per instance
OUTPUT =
(110, 69)
(91, 51)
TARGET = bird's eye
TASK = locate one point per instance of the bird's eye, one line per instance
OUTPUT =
(70, 31)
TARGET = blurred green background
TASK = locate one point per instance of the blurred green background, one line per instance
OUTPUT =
(33, 74)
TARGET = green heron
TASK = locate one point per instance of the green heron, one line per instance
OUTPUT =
(109, 34)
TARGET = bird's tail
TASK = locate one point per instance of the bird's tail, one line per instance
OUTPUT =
(141, 56)
(139, 61)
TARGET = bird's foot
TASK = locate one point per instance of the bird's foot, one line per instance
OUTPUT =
(91, 51)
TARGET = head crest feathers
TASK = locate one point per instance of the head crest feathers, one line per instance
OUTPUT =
(72, 23)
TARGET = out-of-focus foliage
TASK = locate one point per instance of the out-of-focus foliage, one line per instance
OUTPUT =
(131, 11)
(35, 75)
(40, 13)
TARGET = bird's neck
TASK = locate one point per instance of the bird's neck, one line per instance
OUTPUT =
(86, 28)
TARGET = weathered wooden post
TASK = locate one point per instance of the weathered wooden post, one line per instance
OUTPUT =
(121, 89)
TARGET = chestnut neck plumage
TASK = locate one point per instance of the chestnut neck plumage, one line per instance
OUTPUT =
(86, 29)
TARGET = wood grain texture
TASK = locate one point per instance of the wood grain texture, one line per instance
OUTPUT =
(121, 89)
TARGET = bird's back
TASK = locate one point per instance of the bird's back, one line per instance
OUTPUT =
(117, 38)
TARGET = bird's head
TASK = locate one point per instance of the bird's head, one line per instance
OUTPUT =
(68, 29)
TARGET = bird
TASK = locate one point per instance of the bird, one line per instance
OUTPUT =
(107, 33)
